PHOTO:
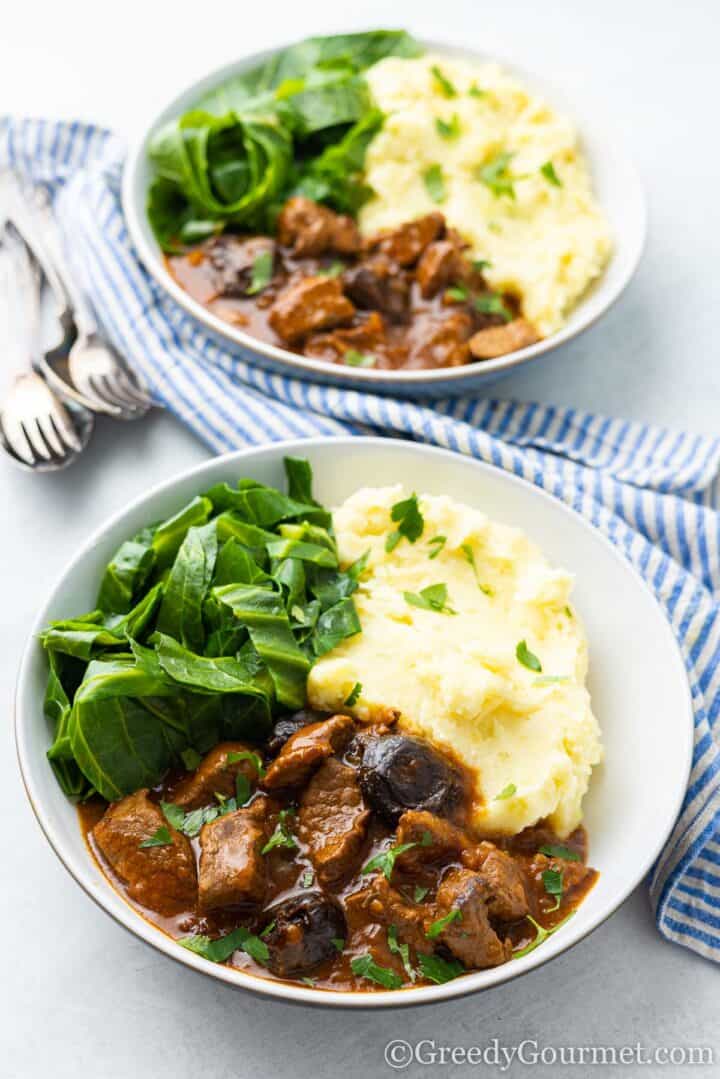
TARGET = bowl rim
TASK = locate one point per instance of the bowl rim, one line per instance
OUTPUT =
(129, 917)
(151, 257)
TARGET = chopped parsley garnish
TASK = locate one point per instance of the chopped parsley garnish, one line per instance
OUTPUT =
(475, 91)
(403, 950)
(506, 792)
(492, 304)
(307, 878)
(457, 293)
(540, 935)
(527, 658)
(439, 970)
(481, 264)
(550, 679)
(437, 543)
(419, 893)
(470, 559)
(353, 695)
(247, 755)
(338, 944)
(191, 823)
(496, 175)
(282, 836)
(366, 967)
(448, 129)
(432, 598)
(553, 884)
(174, 815)
(385, 860)
(160, 838)
(333, 270)
(553, 851)
(442, 83)
(309, 982)
(268, 929)
(353, 358)
(410, 522)
(433, 931)
(261, 274)
(548, 171)
(434, 180)
(568, 612)
(217, 951)
(190, 758)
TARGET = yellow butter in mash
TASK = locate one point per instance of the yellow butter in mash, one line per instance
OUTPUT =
(531, 738)
(546, 241)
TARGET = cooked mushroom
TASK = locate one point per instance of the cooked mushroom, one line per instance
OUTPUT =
(400, 772)
(303, 933)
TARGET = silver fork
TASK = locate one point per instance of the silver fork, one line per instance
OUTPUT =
(100, 378)
(36, 428)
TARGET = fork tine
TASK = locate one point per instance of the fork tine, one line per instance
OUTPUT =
(36, 440)
(63, 424)
(131, 386)
(50, 434)
(115, 391)
(100, 390)
(16, 438)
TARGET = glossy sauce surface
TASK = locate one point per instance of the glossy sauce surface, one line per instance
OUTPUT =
(291, 872)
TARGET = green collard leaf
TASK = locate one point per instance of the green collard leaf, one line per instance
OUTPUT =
(334, 625)
(263, 615)
(126, 573)
(190, 577)
(169, 535)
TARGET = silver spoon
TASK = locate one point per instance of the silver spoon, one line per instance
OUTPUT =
(37, 430)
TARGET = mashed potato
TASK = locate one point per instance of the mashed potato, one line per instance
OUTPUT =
(548, 242)
(456, 678)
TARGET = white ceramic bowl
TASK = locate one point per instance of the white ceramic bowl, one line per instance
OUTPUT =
(617, 186)
(637, 680)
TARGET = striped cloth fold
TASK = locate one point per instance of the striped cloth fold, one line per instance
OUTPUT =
(652, 492)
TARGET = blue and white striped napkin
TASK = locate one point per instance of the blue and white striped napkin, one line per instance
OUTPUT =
(652, 492)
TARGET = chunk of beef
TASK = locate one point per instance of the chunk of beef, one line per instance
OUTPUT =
(286, 726)
(499, 340)
(440, 342)
(215, 775)
(379, 902)
(442, 264)
(406, 243)
(161, 878)
(308, 305)
(508, 899)
(311, 229)
(434, 839)
(367, 337)
(470, 937)
(232, 869)
(306, 750)
(378, 283)
(333, 820)
(232, 260)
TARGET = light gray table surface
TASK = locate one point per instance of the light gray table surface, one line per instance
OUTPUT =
(78, 996)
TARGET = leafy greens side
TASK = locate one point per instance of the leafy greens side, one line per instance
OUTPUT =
(206, 625)
(300, 123)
